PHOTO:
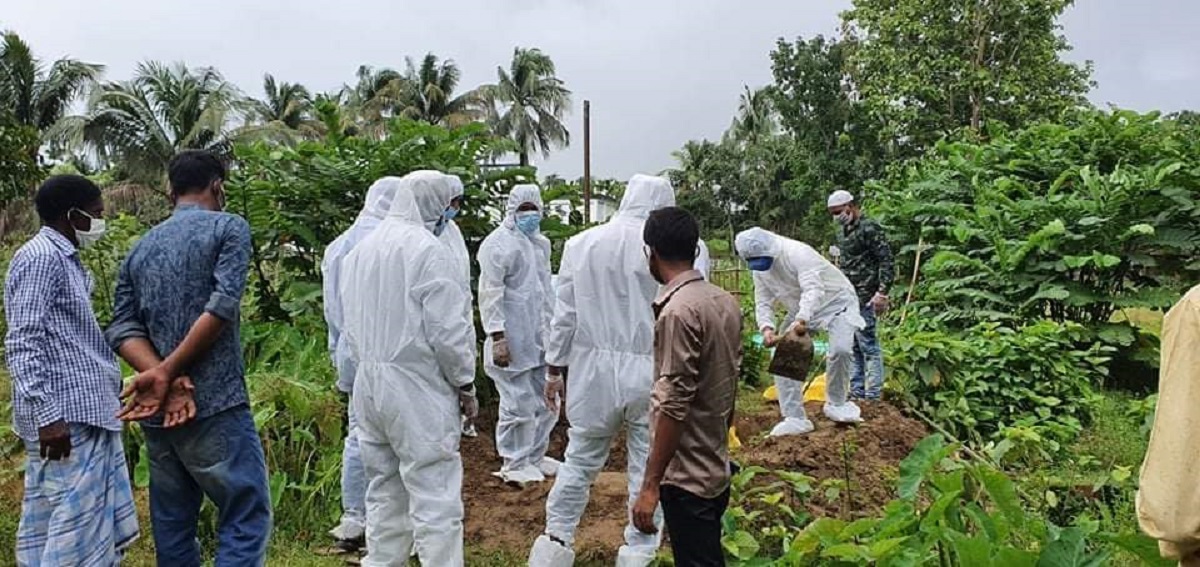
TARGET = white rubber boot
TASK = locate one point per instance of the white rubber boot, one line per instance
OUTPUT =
(848, 412)
(792, 426)
(549, 553)
(634, 557)
(549, 467)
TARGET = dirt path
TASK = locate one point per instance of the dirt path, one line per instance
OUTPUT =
(506, 519)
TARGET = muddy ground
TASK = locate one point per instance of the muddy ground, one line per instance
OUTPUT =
(507, 519)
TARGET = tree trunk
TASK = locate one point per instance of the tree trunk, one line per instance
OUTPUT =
(524, 158)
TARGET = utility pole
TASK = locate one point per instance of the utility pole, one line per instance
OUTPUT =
(587, 162)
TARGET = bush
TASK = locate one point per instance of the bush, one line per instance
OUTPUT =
(981, 382)
(1071, 222)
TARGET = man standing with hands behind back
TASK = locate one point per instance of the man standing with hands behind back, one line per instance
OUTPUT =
(697, 352)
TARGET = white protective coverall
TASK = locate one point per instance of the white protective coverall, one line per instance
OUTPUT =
(433, 191)
(354, 482)
(404, 320)
(603, 331)
(515, 297)
(1168, 498)
(815, 291)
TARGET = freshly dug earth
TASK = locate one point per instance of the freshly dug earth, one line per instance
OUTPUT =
(502, 518)
(868, 454)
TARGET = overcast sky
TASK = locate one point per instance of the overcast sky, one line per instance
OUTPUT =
(658, 72)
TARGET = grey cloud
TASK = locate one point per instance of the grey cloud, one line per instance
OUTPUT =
(658, 72)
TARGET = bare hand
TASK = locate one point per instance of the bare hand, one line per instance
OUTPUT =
(55, 440)
(145, 394)
(553, 392)
(769, 338)
(799, 328)
(643, 510)
(180, 407)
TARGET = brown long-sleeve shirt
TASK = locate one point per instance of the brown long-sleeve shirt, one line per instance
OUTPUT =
(697, 353)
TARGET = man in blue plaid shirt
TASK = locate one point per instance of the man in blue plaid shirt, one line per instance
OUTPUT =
(78, 504)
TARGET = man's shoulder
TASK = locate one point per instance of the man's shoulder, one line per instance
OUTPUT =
(700, 296)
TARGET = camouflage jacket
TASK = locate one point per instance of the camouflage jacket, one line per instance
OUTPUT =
(866, 258)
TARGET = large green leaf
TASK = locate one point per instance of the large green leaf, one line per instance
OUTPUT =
(919, 463)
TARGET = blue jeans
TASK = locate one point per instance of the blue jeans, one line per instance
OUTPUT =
(220, 457)
(866, 383)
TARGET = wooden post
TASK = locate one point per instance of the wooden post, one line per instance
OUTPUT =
(587, 162)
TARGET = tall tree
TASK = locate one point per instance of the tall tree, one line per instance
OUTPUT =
(928, 68)
(428, 93)
(138, 125)
(835, 137)
(756, 120)
(375, 98)
(35, 95)
(528, 103)
(286, 104)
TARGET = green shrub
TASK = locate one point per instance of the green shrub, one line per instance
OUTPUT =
(981, 383)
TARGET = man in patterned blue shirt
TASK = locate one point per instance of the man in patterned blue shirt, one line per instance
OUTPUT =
(78, 504)
(177, 314)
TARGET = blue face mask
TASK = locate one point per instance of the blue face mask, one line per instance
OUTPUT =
(761, 263)
(450, 213)
(529, 222)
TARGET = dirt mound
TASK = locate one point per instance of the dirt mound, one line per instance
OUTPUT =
(506, 519)
(868, 454)
(503, 518)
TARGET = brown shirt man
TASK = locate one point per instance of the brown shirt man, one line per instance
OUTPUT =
(697, 353)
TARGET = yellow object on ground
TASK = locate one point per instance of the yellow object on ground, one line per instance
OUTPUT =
(816, 392)
(734, 442)
(771, 395)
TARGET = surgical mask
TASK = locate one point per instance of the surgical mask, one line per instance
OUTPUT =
(529, 222)
(845, 218)
(89, 237)
(761, 263)
(447, 216)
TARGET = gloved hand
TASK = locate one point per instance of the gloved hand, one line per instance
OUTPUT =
(769, 338)
(880, 303)
(500, 354)
(468, 403)
(554, 390)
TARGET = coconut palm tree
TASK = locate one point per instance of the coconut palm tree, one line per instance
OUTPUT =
(427, 93)
(286, 104)
(140, 124)
(528, 103)
(38, 96)
(756, 119)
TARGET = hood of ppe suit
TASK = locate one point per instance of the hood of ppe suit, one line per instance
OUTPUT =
(379, 198)
(405, 202)
(756, 242)
(644, 194)
(433, 191)
(520, 195)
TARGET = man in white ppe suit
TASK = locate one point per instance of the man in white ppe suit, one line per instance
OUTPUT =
(603, 331)
(515, 304)
(439, 199)
(817, 296)
(350, 531)
(404, 319)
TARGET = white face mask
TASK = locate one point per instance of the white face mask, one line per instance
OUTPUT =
(89, 237)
